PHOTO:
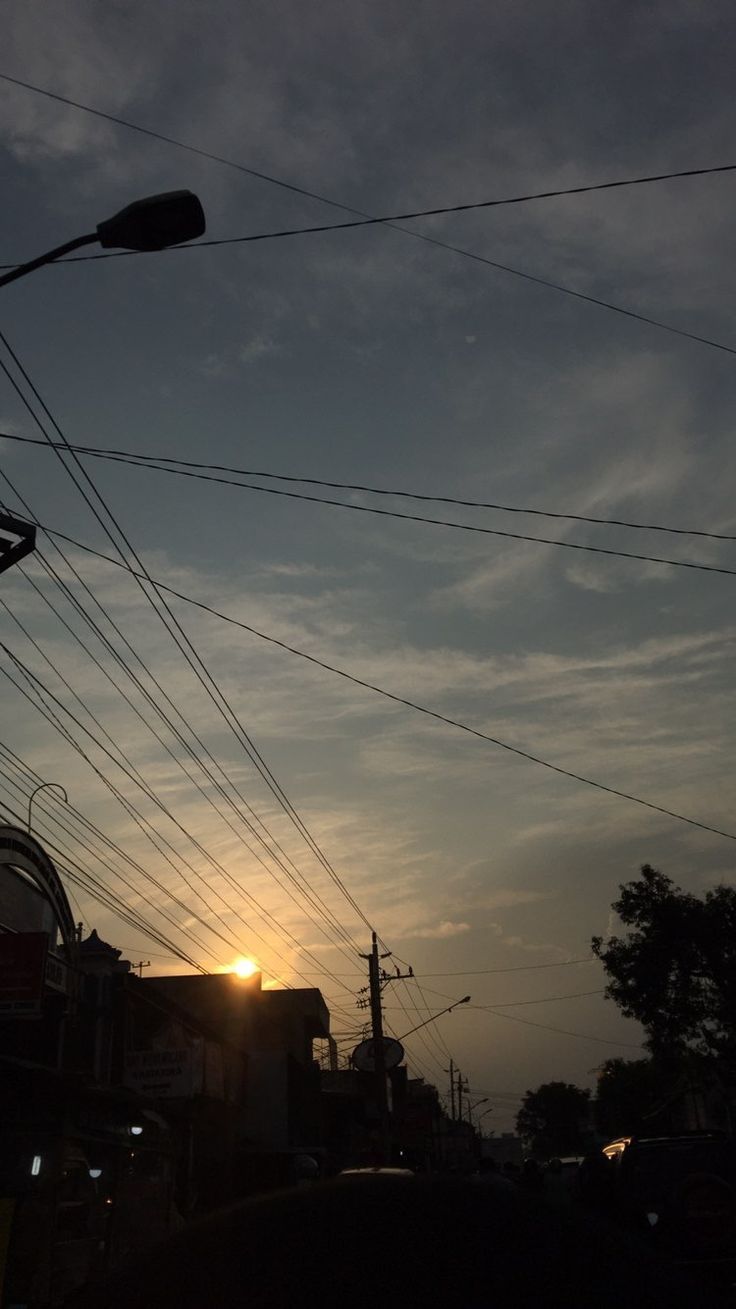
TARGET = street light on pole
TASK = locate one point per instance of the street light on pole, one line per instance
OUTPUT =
(473, 1106)
(154, 223)
(465, 1000)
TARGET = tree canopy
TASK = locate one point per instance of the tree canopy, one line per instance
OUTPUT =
(633, 1097)
(553, 1119)
(675, 970)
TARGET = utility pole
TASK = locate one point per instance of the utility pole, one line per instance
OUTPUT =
(142, 963)
(461, 1086)
(379, 1054)
(451, 1071)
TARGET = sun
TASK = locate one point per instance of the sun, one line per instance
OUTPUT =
(244, 968)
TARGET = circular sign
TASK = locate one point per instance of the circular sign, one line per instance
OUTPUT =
(364, 1055)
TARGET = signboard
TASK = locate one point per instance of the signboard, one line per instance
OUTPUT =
(364, 1055)
(22, 972)
(56, 973)
(167, 1074)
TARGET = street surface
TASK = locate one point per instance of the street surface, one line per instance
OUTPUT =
(359, 1241)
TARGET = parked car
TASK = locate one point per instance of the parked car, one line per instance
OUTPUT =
(682, 1189)
(376, 1172)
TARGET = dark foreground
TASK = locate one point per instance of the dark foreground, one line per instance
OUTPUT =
(405, 1241)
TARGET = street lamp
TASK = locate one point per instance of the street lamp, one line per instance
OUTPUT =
(450, 1007)
(471, 1107)
(153, 223)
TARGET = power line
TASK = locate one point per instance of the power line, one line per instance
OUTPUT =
(641, 180)
(411, 704)
(435, 522)
(392, 223)
(560, 1031)
(69, 812)
(513, 1004)
(133, 915)
(130, 808)
(145, 720)
(387, 220)
(143, 460)
(170, 752)
(477, 972)
(175, 630)
(517, 968)
(148, 833)
(528, 1022)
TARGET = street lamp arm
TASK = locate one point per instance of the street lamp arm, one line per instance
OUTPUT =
(465, 1000)
(56, 786)
(23, 269)
(153, 223)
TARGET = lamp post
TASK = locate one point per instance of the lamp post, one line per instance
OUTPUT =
(465, 1000)
(473, 1106)
(33, 795)
(154, 223)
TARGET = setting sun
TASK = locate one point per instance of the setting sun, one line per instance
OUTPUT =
(244, 968)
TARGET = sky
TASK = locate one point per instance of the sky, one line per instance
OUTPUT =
(370, 358)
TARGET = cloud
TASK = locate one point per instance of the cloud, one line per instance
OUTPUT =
(258, 346)
(348, 356)
(440, 932)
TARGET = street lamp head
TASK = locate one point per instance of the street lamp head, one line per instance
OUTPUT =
(154, 223)
(465, 1000)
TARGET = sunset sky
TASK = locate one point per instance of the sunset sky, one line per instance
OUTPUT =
(369, 358)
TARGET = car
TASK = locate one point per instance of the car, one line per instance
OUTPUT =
(375, 1172)
(682, 1188)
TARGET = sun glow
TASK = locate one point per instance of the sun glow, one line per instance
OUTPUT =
(244, 968)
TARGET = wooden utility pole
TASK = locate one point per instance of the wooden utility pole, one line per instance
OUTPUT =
(379, 1054)
(451, 1071)
(461, 1086)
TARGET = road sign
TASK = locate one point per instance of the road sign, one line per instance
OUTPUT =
(364, 1055)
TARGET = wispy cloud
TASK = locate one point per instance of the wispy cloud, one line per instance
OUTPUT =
(437, 932)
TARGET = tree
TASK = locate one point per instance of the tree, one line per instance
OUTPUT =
(553, 1119)
(675, 971)
(633, 1097)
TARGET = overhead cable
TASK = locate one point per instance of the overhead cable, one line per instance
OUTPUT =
(640, 180)
(515, 1004)
(174, 628)
(411, 704)
(392, 222)
(560, 1031)
(143, 460)
(443, 522)
(133, 774)
(145, 720)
